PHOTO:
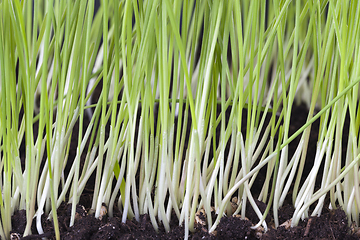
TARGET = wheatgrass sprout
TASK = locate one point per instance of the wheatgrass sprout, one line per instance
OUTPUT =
(193, 105)
(59, 90)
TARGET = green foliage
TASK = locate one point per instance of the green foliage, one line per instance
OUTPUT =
(221, 64)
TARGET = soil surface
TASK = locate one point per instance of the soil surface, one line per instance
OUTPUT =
(332, 224)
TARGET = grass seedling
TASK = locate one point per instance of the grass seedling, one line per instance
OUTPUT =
(194, 99)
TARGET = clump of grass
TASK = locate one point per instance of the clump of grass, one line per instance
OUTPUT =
(167, 61)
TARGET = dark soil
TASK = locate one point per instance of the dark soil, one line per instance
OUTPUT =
(332, 224)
